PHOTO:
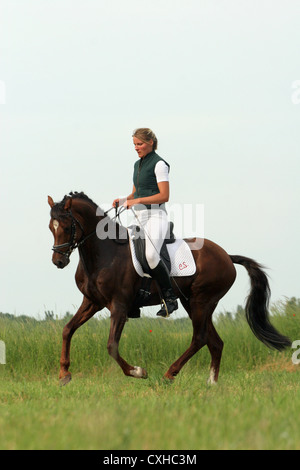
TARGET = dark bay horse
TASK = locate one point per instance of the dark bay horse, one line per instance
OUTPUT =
(107, 278)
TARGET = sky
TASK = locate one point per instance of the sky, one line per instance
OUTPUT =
(217, 81)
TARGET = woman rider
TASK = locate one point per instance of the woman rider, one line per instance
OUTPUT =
(149, 194)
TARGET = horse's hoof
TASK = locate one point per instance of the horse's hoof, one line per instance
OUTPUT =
(139, 373)
(212, 380)
(65, 380)
(169, 378)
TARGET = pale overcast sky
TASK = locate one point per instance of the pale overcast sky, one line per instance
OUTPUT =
(217, 81)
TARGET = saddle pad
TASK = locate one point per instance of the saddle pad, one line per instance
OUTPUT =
(182, 260)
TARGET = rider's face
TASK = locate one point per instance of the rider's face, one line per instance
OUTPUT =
(142, 148)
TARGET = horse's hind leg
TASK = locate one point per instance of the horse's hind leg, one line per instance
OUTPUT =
(215, 346)
(200, 314)
(204, 333)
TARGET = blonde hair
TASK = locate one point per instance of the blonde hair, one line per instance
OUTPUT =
(145, 135)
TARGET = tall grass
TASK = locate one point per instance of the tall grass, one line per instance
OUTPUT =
(254, 406)
(34, 346)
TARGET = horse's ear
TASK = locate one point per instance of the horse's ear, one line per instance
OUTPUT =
(50, 201)
(68, 204)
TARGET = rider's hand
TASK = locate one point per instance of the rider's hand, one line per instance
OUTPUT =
(128, 203)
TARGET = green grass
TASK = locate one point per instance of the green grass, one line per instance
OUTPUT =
(247, 410)
(255, 405)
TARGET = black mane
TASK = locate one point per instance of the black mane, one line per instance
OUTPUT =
(80, 195)
(58, 208)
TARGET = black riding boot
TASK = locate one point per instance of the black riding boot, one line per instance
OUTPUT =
(162, 277)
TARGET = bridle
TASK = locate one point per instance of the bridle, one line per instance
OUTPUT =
(72, 244)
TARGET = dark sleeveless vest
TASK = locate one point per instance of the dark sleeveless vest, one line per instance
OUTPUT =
(144, 178)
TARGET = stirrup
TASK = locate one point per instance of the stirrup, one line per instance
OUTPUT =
(168, 307)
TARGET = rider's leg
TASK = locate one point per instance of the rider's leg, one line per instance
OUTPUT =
(161, 275)
(156, 229)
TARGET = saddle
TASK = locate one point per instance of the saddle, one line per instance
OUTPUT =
(175, 253)
(138, 238)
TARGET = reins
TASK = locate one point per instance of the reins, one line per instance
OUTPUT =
(118, 212)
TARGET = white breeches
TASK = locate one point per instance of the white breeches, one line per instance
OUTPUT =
(155, 225)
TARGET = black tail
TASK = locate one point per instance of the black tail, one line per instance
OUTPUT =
(257, 305)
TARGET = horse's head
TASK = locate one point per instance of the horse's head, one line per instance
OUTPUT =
(64, 227)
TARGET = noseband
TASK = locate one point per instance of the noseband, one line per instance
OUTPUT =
(72, 244)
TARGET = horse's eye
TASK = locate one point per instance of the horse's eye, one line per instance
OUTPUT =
(67, 230)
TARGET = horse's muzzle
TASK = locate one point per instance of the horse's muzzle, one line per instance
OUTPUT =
(60, 262)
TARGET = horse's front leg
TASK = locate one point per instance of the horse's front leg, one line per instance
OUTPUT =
(85, 311)
(118, 320)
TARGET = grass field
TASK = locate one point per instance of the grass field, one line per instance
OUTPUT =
(255, 405)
